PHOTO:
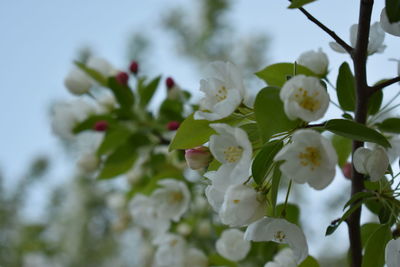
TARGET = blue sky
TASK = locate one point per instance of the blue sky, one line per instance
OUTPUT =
(39, 40)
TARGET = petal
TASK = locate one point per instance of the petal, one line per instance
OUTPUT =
(377, 164)
(391, 28)
(337, 47)
(215, 197)
(392, 253)
(359, 159)
(353, 34)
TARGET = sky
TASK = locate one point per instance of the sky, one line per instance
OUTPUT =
(40, 40)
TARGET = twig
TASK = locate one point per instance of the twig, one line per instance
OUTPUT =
(380, 86)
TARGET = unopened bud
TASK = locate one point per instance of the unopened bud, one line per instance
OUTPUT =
(184, 229)
(101, 126)
(198, 157)
(169, 82)
(77, 82)
(173, 125)
(122, 78)
(347, 170)
(134, 67)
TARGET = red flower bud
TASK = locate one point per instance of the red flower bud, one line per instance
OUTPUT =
(134, 67)
(101, 126)
(170, 83)
(122, 78)
(347, 170)
(173, 125)
(198, 157)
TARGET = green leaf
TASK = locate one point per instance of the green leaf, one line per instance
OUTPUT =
(367, 230)
(292, 212)
(375, 102)
(122, 93)
(113, 139)
(191, 133)
(346, 88)
(358, 197)
(393, 10)
(214, 165)
(334, 225)
(91, 121)
(356, 131)
(273, 195)
(264, 159)
(94, 74)
(299, 3)
(216, 260)
(343, 147)
(374, 255)
(270, 115)
(123, 158)
(277, 74)
(391, 125)
(310, 261)
(147, 91)
(171, 110)
(253, 132)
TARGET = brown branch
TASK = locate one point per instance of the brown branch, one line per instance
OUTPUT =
(339, 40)
(359, 57)
(380, 86)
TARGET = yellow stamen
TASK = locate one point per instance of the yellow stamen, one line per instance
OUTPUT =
(233, 153)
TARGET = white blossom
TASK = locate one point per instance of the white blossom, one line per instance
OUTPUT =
(280, 231)
(102, 66)
(391, 28)
(172, 200)
(88, 162)
(242, 205)
(232, 148)
(284, 258)
(224, 91)
(316, 61)
(77, 82)
(171, 251)
(309, 158)
(195, 258)
(375, 44)
(371, 162)
(215, 197)
(232, 246)
(304, 98)
(392, 253)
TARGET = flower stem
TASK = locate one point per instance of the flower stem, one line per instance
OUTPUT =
(286, 199)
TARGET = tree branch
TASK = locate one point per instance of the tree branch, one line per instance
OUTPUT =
(339, 40)
(380, 86)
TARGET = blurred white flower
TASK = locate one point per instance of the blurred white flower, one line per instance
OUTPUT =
(88, 162)
(172, 200)
(284, 258)
(304, 98)
(242, 205)
(371, 162)
(102, 66)
(375, 44)
(171, 251)
(392, 253)
(391, 28)
(115, 201)
(195, 258)
(232, 148)
(316, 61)
(77, 82)
(232, 246)
(106, 101)
(224, 91)
(280, 231)
(309, 158)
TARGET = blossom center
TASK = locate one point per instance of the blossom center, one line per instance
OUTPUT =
(310, 157)
(306, 101)
(175, 197)
(233, 153)
(236, 201)
(173, 242)
(221, 93)
(280, 236)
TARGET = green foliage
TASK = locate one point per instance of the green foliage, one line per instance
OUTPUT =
(310, 261)
(299, 3)
(335, 224)
(95, 75)
(263, 161)
(113, 138)
(277, 74)
(146, 91)
(290, 212)
(171, 110)
(375, 102)
(123, 94)
(270, 115)
(342, 147)
(217, 260)
(374, 255)
(273, 193)
(89, 123)
(393, 10)
(390, 125)
(346, 88)
(356, 131)
(367, 230)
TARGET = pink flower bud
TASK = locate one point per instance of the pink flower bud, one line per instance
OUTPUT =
(122, 78)
(347, 170)
(134, 67)
(170, 83)
(173, 125)
(101, 126)
(198, 157)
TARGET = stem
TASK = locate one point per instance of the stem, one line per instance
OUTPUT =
(362, 93)
(339, 40)
(286, 199)
(380, 86)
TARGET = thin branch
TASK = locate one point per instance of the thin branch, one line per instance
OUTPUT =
(380, 86)
(339, 40)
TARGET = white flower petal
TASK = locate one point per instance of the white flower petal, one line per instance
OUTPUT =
(337, 47)
(215, 197)
(316, 61)
(232, 246)
(392, 253)
(391, 28)
(377, 163)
